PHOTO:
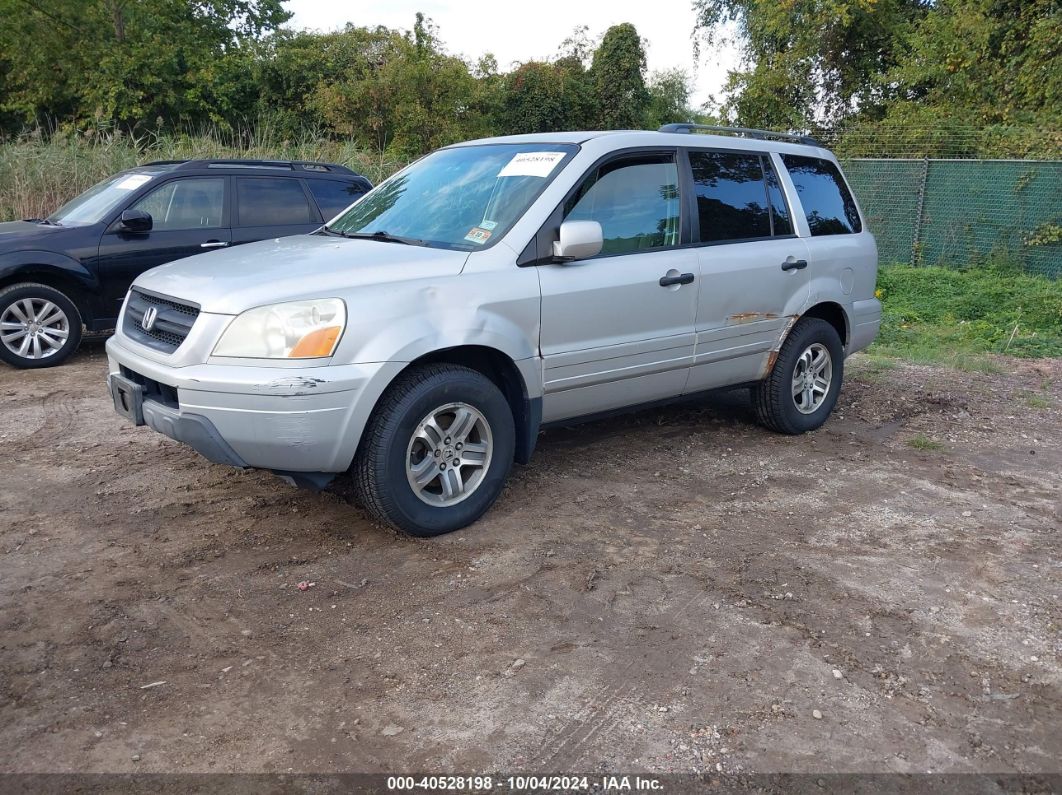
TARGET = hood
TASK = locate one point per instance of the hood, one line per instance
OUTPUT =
(232, 280)
(18, 232)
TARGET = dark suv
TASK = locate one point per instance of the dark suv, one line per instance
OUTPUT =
(73, 268)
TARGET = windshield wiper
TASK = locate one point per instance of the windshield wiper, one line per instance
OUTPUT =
(382, 236)
(43, 221)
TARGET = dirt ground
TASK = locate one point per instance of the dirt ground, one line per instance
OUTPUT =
(675, 590)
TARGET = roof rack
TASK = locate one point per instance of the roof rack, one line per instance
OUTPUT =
(285, 165)
(683, 127)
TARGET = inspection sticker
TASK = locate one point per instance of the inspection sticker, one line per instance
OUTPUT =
(478, 235)
(531, 164)
(133, 181)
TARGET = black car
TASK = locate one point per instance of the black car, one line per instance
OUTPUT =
(73, 268)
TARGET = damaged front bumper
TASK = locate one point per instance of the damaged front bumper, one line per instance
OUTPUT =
(301, 423)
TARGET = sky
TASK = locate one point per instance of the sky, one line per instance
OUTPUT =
(535, 30)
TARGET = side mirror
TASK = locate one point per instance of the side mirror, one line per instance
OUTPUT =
(578, 240)
(135, 221)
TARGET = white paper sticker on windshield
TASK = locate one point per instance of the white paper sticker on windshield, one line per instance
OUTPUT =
(133, 181)
(531, 164)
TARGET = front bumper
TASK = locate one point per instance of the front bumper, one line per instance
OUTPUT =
(304, 419)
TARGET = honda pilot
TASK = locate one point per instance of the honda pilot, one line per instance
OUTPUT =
(419, 340)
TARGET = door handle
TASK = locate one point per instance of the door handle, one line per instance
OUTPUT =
(213, 244)
(682, 278)
(794, 265)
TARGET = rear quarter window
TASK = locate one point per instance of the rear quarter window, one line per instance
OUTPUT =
(827, 202)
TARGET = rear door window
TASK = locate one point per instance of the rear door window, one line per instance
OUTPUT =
(827, 202)
(333, 196)
(732, 199)
(272, 201)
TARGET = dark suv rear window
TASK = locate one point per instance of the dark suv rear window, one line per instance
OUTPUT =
(272, 201)
(828, 204)
(333, 196)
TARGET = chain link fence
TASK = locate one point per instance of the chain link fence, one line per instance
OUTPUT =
(961, 212)
(957, 196)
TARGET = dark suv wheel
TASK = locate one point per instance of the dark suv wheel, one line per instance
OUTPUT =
(437, 450)
(802, 388)
(39, 326)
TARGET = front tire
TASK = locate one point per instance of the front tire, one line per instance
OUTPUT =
(801, 390)
(436, 452)
(39, 326)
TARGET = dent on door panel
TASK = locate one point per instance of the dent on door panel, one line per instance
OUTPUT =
(747, 304)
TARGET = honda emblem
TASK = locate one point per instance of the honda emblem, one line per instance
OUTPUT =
(150, 316)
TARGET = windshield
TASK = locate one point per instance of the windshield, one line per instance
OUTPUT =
(462, 198)
(93, 205)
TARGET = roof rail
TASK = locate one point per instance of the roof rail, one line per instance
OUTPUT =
(683, 127)
(287, 165)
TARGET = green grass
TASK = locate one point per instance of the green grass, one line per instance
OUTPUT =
(1037, 400)
(923, 442)
(961, 317)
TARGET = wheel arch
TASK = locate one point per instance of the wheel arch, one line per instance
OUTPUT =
(830, 311)
(834, 314)
(52, 270)
(505, 374)
(511, 376)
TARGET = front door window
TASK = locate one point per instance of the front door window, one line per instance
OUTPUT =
(185, 204)
(636, 201)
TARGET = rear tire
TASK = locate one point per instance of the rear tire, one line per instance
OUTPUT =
(436, 452)
(39, 326)
(801, 390)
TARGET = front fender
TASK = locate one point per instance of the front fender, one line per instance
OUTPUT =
(45, 263)
(488, 332)
(389, 324)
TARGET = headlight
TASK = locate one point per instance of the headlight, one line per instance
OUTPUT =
(293, 330)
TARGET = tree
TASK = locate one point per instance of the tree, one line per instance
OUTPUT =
(545, 97)
(578, 47)
(983, 62)
(302, 73)
(126, 62)
(669, 98)
(406, 94)
(618, 72)
(809, 60)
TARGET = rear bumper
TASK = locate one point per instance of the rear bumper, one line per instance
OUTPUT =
(866, 322)
(306, 419)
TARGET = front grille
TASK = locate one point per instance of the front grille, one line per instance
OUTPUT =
(172, 323)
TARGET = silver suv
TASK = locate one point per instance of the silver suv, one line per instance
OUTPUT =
(421, 338)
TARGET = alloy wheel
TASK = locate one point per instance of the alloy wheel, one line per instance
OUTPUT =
(812, 377)
(34, 328)
(449, 454)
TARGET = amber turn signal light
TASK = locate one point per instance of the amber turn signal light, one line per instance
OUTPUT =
(316, 344)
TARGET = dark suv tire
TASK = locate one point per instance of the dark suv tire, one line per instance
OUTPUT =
(39, 326)
(437, 450)
(801, 390)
